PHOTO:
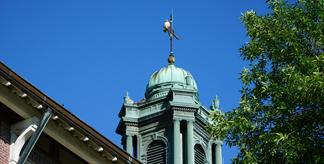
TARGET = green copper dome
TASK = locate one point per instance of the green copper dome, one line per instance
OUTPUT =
(170, 77)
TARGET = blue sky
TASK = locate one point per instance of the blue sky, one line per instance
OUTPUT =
(87, 54)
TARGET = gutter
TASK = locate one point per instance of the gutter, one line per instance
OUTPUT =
(31, 143)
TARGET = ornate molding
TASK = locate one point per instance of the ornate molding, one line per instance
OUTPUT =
(184, 109)
(135, 124)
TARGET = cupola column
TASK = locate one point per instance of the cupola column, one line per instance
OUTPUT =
(176, 141)
(129, 144)
(190, 142)
(218, 152)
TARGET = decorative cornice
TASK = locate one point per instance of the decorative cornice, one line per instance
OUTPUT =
(183, 104)
(184, 109)
(135, 124)
(203, 120)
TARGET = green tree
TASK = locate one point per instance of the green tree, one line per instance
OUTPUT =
(280, 118)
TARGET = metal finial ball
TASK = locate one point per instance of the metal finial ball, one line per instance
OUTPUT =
(171, 59)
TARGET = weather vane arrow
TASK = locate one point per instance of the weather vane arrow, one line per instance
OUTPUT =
(168, 27)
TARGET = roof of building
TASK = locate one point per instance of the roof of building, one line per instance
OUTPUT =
(170, 77)
(22, 87)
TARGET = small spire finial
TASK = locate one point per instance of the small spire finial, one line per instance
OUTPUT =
(168, 27)
(127, 99)
(215, 104)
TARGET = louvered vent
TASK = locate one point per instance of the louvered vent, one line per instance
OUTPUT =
(200, 157)
(156, 153)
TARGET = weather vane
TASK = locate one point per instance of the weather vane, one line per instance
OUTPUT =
(168, 27)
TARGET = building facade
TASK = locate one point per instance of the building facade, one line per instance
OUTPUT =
(169, 124)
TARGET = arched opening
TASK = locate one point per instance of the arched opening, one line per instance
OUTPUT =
(135, 148)
(213, 153)
(156, 152)
(200, 156)
(183, 141)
